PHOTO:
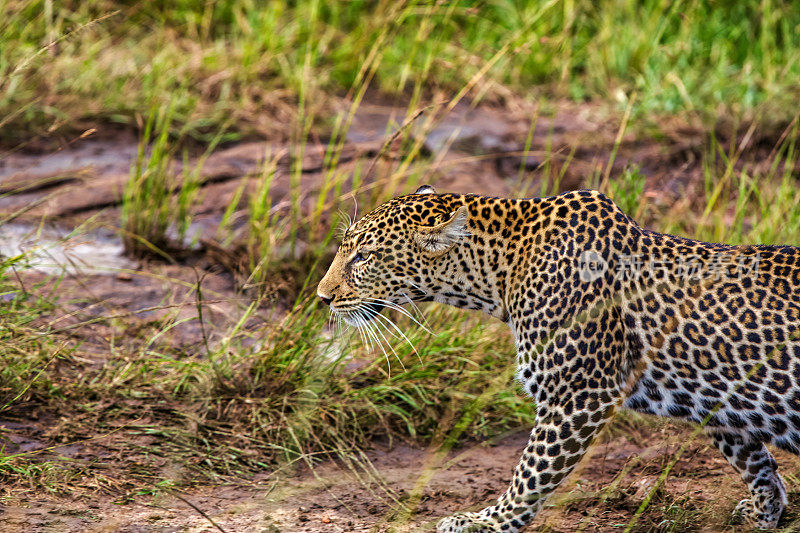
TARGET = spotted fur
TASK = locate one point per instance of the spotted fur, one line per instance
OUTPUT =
(697, 331)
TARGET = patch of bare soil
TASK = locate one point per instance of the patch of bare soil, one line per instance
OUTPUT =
(407, 489)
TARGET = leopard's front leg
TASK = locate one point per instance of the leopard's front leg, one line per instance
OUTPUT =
(567, 422)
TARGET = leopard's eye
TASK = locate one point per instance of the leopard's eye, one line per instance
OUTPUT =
(360, 256)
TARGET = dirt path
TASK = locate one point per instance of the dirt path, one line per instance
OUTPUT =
(602, 495)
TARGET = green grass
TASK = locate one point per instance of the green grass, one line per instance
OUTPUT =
(28, 354)
(29, 375)
(752, 201)
(158, 201)
(295, 390)
(248, 66)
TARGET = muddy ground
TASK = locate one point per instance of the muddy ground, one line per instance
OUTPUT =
(473, 150)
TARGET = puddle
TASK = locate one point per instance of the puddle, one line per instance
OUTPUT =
(57, 250)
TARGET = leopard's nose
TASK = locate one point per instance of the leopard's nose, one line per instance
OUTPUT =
(325, 299)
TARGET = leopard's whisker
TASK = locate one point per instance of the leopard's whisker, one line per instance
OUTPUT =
(363, 337)
(392, 333)
(416, 308)
(338, 325)
(358, 326)
(369, 330)
(395, 332)
(389, 344)
(344, 224)
(375, 331)
(330, 319)
(422, 292)
(387, 303)
(396, 307)
(391, 323)
(420, 289)
(363, 325)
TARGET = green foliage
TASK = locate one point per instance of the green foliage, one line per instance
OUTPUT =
(157, 201)
(627, 191)
(262, 235)
(108, 61)
(310, 390)
(305, 391)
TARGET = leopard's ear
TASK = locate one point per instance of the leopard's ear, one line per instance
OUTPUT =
(425, 189)
(440, 238)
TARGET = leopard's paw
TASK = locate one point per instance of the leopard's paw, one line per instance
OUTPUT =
(466, 523)
(746, 511)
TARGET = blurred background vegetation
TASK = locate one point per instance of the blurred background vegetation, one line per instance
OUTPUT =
(245, 65)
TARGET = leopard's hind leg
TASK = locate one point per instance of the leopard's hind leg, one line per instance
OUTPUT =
(759, 470)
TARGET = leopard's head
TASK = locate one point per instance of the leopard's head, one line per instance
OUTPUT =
(388, 257)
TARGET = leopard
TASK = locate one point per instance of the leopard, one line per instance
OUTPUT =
(605, 315)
